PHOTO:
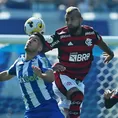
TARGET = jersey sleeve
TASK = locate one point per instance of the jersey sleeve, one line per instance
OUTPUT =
(12, 69)
(52, 41)
(98, 38)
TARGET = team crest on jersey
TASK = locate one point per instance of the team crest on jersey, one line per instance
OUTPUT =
(88, 42)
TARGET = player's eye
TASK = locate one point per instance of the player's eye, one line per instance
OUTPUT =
(35, 39)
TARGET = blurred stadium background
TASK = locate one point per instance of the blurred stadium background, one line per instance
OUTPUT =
(100, 14)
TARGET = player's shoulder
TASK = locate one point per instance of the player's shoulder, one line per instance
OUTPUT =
(87, 27)
(21, 57)
(19, 60)
(88, 30)
(41, 55)
(62, 30)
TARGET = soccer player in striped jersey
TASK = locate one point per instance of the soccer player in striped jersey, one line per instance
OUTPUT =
(110, 98)
(75, 43)
(35, 76)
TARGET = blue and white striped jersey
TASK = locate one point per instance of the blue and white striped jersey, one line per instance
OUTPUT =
(34, 90)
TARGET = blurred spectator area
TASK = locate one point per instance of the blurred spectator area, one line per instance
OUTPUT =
(84, 5)
(2, 4)
(19, 4)
(97, 13)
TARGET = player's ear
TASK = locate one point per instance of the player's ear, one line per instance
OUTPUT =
(40, 48)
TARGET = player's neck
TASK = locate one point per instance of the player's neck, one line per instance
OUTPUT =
(79, 31)
(30, 56)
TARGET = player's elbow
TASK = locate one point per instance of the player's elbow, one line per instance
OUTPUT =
(108, 106)
(109, 103)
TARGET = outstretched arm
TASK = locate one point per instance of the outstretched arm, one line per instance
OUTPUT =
(108, 52)
(4, 75)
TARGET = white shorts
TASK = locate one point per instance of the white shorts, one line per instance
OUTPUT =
(67, 83)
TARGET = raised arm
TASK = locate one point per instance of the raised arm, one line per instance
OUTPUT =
(4, 75)
(108, 52)
(51, 42)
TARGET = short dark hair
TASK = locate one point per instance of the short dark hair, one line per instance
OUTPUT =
(40, 36)
(42, 40)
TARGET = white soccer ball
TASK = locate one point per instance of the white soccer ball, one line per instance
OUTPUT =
(34, 24)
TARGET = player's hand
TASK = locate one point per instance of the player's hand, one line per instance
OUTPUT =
(108, 94)
(107, 57)
(37, 70)
(58, 67)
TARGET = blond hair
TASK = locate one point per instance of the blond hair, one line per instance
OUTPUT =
(71, 8)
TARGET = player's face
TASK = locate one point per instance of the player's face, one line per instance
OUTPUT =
(33, 44)
(73, 21)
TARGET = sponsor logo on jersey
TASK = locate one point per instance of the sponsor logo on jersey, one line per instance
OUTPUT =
(89, 33)
(65, 36)
(77, 57)
(28, 78)
(88, 42)
(54, 43)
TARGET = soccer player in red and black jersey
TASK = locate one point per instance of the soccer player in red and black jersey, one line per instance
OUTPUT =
(110, 98)
(75, 43)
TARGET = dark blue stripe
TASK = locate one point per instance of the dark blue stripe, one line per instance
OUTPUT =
(41, 64)
(30, 71)
(49, 89)
(26, 95)
(20, 71)
(24, 88)
(37, 91)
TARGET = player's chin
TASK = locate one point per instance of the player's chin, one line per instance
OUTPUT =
(27, 49)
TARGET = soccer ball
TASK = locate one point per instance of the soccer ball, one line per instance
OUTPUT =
(34, 24)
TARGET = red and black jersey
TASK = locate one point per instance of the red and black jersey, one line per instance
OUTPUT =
(74, 52)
